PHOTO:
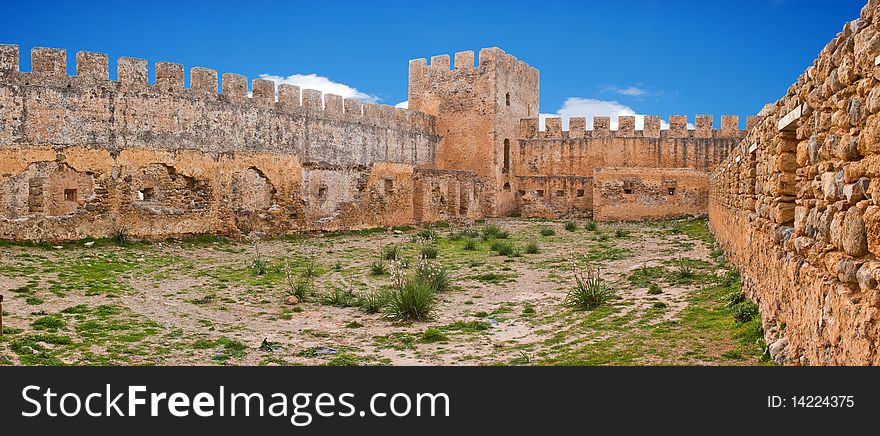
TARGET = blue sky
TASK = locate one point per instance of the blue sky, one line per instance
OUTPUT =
(647, 57)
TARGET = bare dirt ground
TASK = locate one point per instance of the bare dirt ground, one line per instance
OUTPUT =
(209, 301)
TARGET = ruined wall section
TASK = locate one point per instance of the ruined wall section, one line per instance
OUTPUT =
(797, 206)
(556, 169)
(633, 193)
(477, 109)
(87, 156)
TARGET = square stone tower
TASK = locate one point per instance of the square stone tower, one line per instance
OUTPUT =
(478, 110)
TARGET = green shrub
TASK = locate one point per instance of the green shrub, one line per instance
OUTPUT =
(654, 289)
(590, 289)
(547, 231)
(411, 300)
(502, 234)
(120, 236)
(621, 232)
(659, 305)
(470, 244)
(470, 232)
(391, 252)
(591, 226)
(339, 297)
(490, 230)
(373, 302)
(428, 233)
(571, 226)
(429, 251)
(532, 248)
(433, 274)
(378, 268)
(745, 311)
(504, 248)
(684, 271)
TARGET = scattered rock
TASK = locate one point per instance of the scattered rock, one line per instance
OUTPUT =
(292, 300)
(777, 350)
(89, 244)
(854, 239)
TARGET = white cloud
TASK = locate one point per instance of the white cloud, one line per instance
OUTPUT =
(589, 108)
(402, 105)
(630, 91)
(323, 84)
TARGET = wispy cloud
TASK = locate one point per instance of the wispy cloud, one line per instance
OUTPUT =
(402, 105)
(589, 108)
(323, 84)
(630, 91)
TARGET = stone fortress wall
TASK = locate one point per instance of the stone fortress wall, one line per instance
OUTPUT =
(796, 206)
(86, 156)
(623, 174)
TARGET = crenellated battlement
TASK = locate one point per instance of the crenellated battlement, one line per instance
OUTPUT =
(49, 68)
(489, 59)
(677, 128)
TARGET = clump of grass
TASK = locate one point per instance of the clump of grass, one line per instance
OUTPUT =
(654, 289)
(591, 226)
(259, 266)
(590, 289)
(470, 244)
(659, 305)
(547, 231)
(571, 226)
(490, 230)
(432, 335)
(310, 267)
(373, 302)
(683, 270)
(119, 236)
(299, 287)
(391, 252)
(33, 301)
(414, 296)
(505, 248)
(621, 232)
(428, 233)
(353, 325)
(532, 248)
(528, 310)
(433, 274)
(411, 300)
(502, 234)
(339, 297)
(378, 268)
(429, 251)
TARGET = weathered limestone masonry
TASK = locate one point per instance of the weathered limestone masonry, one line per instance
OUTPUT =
(86, 156)
(797, 206)
(477, 110)
(622, 174)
